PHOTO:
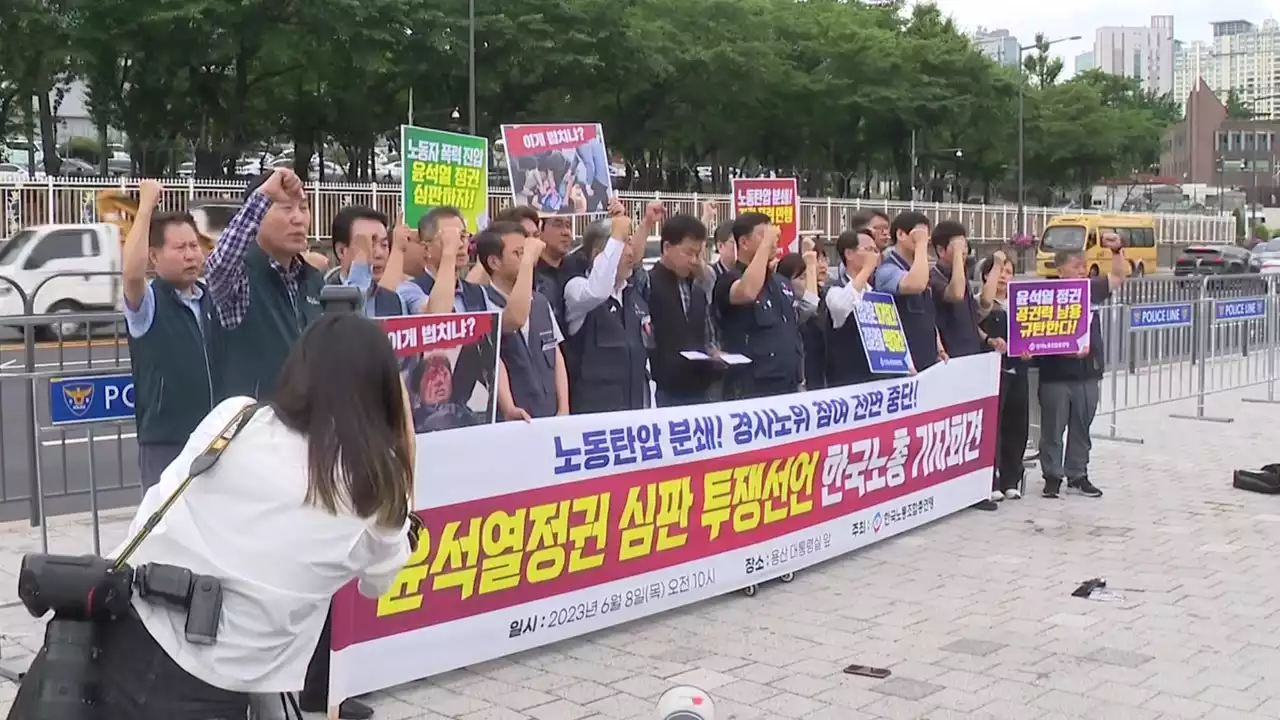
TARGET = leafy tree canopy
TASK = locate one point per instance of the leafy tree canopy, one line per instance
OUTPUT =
(842, 94)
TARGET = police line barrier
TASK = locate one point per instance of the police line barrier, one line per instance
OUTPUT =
(74, 200)
(1196, 339)
(612, 517)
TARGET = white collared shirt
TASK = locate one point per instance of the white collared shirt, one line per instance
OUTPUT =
(280, 559)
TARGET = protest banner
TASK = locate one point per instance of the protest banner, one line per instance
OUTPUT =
(776, 197)
(883, 340)
(1048, 317)
(559, 169)
(545, 531)
(449, 364)
(444, 168)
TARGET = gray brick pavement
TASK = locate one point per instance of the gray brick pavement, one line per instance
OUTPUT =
(973, 614)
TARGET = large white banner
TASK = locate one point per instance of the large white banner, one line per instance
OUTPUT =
(544, 531)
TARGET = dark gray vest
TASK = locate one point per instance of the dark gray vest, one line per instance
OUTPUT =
(531, 366)
(173, 387)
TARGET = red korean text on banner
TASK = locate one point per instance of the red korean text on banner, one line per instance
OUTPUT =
(418, 333)
(522, 140)
(499, 552)
(776, 197)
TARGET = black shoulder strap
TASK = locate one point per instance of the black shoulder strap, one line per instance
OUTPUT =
(199, 466)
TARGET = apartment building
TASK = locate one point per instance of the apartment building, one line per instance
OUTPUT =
(1143, 53)
(1243, 57)
(998, 45)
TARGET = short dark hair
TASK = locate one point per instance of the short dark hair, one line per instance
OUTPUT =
(429, 224)
(747, 222)
(791, 266)
(863, 218)
(906, 222)
(987, 265)
(340, 230)
(254, 183)
(680, 227)
(944, 232)
(518, 214)
(850, 239)
(160, 222)
(358, 454)
(489, 243)
(724, 233)
(1062, 257)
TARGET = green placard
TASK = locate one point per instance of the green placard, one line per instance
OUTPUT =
(444, 168)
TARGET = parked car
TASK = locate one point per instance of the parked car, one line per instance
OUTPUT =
(42, 261)
(1212, 260)
(1265, 257)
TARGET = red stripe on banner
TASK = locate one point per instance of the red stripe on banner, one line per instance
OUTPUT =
(499, 552)
(415, 334)
(536, 139)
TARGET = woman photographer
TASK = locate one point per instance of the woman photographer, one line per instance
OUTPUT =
(314, 491)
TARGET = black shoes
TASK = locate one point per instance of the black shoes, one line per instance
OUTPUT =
(1083, 487)
(348, 710)
(1051, 487)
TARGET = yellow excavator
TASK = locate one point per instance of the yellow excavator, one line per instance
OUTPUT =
(210, 214)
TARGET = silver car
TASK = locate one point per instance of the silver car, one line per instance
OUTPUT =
(1265, 257)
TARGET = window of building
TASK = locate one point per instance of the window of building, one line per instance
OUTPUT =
(1248, 142)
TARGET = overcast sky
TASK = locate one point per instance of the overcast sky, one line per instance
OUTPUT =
(1064, 18)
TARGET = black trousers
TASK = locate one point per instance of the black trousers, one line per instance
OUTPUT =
(1011, 439)
(315, 688)
(138, 681)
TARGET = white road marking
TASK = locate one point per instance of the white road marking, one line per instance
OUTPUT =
(84, 440)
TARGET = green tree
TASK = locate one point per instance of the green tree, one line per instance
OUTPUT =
(1237, 108)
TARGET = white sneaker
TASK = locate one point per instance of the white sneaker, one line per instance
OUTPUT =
(997, 496)
(1012, 494)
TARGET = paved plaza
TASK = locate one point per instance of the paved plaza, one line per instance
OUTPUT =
(973, 614)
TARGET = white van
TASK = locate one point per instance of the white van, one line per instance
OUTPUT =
(46, 258)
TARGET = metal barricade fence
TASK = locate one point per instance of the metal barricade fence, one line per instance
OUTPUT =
(1171, 340)
(1209, 335)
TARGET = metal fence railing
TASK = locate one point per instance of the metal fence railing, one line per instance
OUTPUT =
(74, 200)
(1166, 340)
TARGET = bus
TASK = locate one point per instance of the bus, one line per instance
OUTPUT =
(1082, 232)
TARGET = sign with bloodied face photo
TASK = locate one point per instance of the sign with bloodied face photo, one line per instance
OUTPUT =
(450, 366)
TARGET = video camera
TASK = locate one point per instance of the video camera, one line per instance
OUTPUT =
(86, 591)
(341, 299)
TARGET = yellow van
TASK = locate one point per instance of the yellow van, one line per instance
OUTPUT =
(1081, 232)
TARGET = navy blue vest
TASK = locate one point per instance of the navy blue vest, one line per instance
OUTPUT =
(846, 356)
(247, 358)
(607, 368)
(919, 319)
(385, 302)
(472, 295)
(172, 383)
(766, 331)
(531, 366)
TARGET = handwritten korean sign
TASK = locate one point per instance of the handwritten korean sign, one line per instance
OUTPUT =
(444, 168)
(882, 337)
(776, 197)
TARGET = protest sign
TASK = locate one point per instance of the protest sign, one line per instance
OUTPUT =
(776, 197)
(449, 364)
(882, 338)
(559, 169)
(444, 168)
(584, 522)
(1048, 317)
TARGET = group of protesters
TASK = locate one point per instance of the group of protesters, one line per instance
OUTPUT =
(586, 328)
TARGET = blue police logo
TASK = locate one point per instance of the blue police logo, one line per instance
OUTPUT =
(876, 522)
(1137, 317)
(78, 397)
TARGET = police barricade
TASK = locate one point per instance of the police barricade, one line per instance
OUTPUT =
(66, 439)
(589, 521)
(1186, 340)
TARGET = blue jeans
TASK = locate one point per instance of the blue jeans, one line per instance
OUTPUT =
(668, 399)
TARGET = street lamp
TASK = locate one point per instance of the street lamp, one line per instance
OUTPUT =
(471, 66)
(1022, 192)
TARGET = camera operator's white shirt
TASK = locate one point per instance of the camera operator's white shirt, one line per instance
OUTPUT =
(280, 560)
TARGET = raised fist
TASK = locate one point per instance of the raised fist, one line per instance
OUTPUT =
(283, 186)
(149, 193)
